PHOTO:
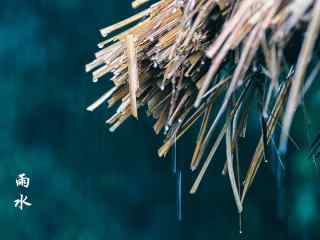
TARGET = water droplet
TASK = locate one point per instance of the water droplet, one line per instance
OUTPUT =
(179, 195)
(240, 223)
(174, 156)
(155, 64)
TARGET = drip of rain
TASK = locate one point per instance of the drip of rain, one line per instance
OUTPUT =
(174, 156)
(179, 195)
(240, 223)
(178, 174)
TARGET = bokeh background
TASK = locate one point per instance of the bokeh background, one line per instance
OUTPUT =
(89, 184)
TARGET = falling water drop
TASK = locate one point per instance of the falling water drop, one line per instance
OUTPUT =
(240, 223)
(179, 195)
(178, 174)
(174, 156)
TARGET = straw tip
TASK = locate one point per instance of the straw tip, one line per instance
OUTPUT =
(193, 168)
(90, 108)
(87, 68)
(104, 33)
(196, 104)
(192, 191)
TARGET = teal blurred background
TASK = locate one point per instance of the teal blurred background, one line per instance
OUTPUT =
(89, 184)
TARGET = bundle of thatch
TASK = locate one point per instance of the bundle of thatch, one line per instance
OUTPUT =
(180, 57)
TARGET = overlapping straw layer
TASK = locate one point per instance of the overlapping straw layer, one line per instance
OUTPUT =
(179, 58)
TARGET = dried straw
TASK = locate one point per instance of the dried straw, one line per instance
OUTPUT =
(179, 57)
